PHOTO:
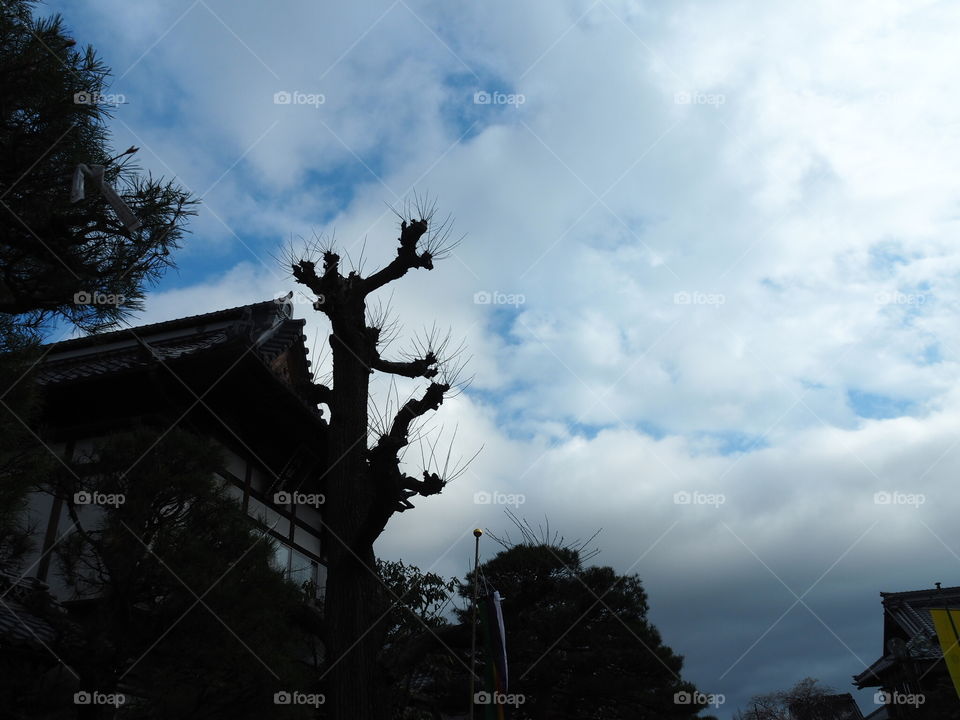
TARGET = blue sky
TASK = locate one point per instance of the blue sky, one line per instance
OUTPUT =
(733, 229)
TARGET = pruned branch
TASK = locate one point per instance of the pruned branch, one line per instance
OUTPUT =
(407, 257)
(432, 484)
(421, 242)
(394, 488)
(305, 273)
(411, 410)
(326, 286)
(421, 367)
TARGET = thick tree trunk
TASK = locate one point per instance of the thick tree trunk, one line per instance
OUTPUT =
(353, 662)
(364, 491)
(351, 581)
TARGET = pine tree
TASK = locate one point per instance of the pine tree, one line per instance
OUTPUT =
(59, 259)
(77, 260)
(578, 639)
(579, 643)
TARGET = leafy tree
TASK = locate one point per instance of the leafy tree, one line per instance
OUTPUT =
(179, 607)
(579, 642)
(53, 113)
(367, 485)
(417, 604)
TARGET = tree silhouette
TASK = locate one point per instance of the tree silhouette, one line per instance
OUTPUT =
(58, 257)
(807, 700)
(178, 605)
(366, 485)
(578, 641)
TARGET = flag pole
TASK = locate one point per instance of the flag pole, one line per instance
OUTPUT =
(473, 627)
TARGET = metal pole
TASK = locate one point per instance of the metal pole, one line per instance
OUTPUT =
(473, 627)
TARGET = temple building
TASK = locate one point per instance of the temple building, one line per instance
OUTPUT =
(239, 377)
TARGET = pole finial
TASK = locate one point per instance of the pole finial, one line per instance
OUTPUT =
(477, 532)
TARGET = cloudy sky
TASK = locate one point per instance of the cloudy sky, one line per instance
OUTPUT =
(709, 281)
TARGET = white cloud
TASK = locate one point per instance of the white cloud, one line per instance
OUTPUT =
(815, 199)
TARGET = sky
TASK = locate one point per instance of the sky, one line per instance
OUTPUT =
(708, 280)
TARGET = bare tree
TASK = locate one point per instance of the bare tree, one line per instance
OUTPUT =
(365, 483)
(807, 700)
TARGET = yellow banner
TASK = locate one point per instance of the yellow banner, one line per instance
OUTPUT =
(949, 641)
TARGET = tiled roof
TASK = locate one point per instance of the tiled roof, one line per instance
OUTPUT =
(907, 615)
(911, 611)
(868, 677)
(189, 321)
(266, 326)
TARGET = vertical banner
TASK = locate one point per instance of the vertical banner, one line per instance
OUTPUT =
(495, 647)
(946, 623)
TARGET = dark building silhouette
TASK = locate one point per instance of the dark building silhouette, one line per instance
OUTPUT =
(239, 377)
(911, 677)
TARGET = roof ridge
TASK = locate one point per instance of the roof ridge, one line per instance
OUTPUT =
(954, 590)
(106, 337)
(267, 328)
